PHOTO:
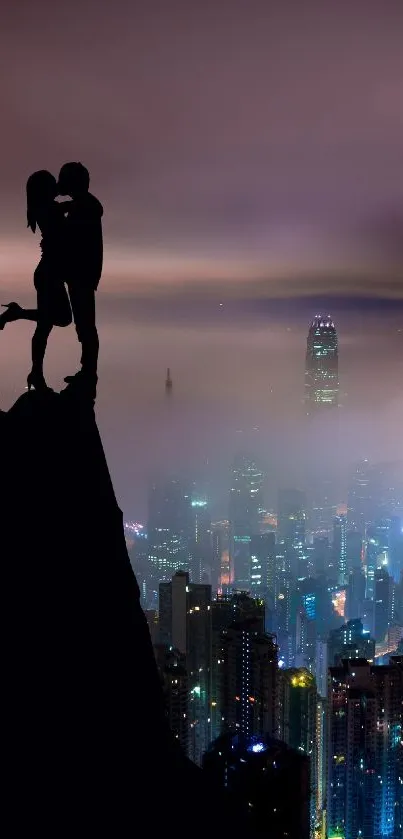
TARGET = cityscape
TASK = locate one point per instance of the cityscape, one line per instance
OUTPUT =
(278, 632)
(201, 379)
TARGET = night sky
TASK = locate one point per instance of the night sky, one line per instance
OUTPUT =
(248, 153)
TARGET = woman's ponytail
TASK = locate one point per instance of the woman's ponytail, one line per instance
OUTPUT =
(41, 188)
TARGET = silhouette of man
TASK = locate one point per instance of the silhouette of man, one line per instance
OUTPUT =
(85, 256)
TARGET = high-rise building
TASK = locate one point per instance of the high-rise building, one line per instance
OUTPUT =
(354, 549)
(365, 496)
(168, 530)
(305, 640)
(376, 553)
(321, 765)
(322, 365)
(291, 517)
(285, 616)
(322, 556)
(263, 571)
(291, 530)
(298, 719)
(245, 513)
(185, 623)
(248, 679)
(323, 507)
(365, 756)
(396, 548)
(201, 543)
(173, 673)
(225, 611)
(269, 780)
(340, 548)
(308, 593)
(350, 641)
(221, 559)
(321, 666)
(355, 595)
(384, 603)
(137, 543)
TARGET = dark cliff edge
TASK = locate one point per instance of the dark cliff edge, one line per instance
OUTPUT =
(85, 748)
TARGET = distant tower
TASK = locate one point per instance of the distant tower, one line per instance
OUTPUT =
(245, 506)
(168, 381)
(322, 365)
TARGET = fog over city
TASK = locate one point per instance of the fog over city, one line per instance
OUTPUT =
(238, 385)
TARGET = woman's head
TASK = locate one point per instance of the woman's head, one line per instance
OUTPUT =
(41, 189)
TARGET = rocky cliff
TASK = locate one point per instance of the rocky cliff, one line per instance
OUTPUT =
(85, 748)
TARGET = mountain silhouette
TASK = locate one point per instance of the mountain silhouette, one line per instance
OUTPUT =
(85, 745)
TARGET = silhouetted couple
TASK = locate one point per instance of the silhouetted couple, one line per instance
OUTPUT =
(72, 254)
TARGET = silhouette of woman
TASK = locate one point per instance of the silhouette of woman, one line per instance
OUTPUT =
(53, 305)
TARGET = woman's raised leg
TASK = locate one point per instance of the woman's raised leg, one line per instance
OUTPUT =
(15, 312)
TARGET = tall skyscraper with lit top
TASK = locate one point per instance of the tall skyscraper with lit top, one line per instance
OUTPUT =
(322, 365)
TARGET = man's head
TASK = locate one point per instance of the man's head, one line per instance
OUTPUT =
(74, 180)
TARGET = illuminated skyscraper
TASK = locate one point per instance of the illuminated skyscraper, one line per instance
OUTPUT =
(201, 542)
(350, 641)
(168, 530)
(322, 365)
(225, 612)
(297, 699)
(291, 530)
(365, 790)
(245, 512)
(320, 760)
(248, 678)
(220, 532)
(185, 623)
(376, 553)
(263, 566)
(340, 548)
(384, 603)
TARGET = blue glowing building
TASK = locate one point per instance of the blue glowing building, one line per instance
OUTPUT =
(377, 553)
(365, 780)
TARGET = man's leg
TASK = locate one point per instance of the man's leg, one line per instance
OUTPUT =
(83, 306)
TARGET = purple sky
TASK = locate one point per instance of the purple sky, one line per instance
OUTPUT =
(246, 152)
